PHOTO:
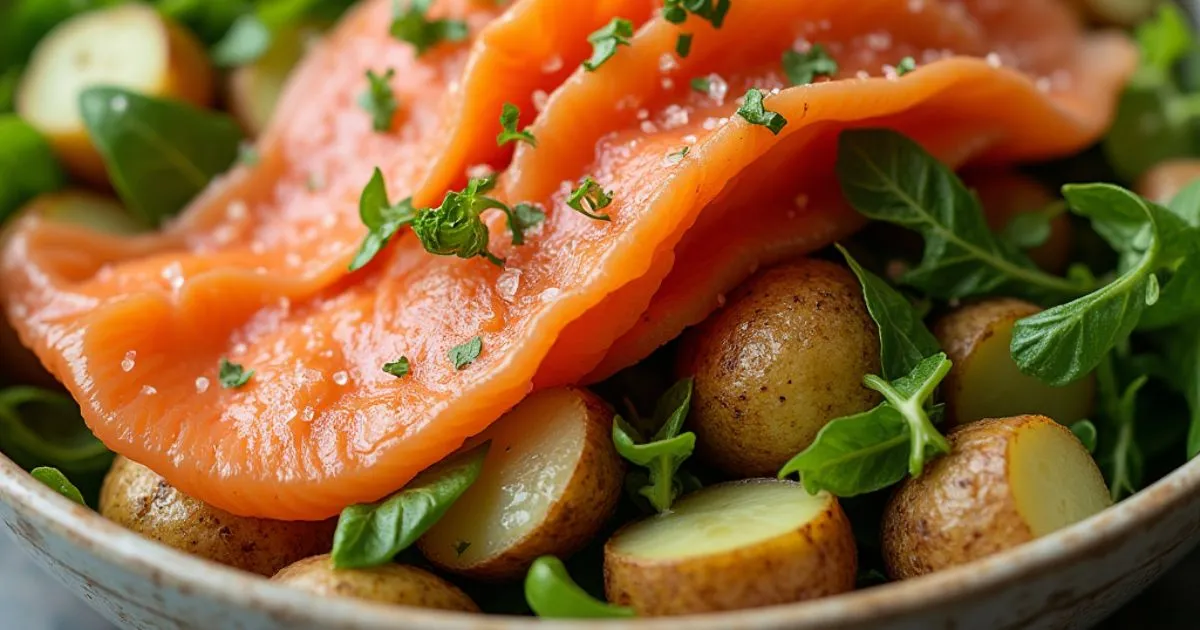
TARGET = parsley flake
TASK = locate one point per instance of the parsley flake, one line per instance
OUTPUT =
(382, 219)
(232, 375)
(683, 45)
(711, 11)
(605, 41)
(803, 68)
(676, 157)
(398, 368)
(753, 111)
(465, 354)
(413, 26)
(906, 65)
(455, 228)
(248, 154)
(702, 84)
(589, 198)
(510, 115)
(523, 216)
(379, 101)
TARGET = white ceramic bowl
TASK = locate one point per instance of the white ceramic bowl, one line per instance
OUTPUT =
(1070, 579)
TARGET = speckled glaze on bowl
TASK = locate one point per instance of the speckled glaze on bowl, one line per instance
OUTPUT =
(1070, 579)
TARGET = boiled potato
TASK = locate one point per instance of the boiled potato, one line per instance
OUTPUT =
(255, 88)
(390, 584)
(550, 481)
(1005, 482)
(735, 545)
(1005, 195)
(1164, 180)
(985, 381)
(130, 46)
(135, 497)
(785, 356)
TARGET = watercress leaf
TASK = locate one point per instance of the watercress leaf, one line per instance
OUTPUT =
(606, 40)
(888, 177)
(1180, 298)
(1186, 204)
(55, 479)
(371, 535)
(909, 395)
(381, 218)
(552, 594)
(465, 354)
(755, 112)
(28, 167)
(159, 153)
(672, 409)
(1065, 343)
(664, 452)
(855, 455)
(1122, 462)
(1086, 432)
(904, 341)
(803, 68)
(39, 427)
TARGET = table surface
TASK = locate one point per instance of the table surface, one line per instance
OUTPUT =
(31, 600)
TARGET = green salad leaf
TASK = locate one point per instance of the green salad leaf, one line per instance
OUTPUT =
(1121, 457)
(54, 478)
(1179, 300)
(28, 167)
(371, 535)
(39, 427)
(552, 594)
(659, 447)
(159, 153)
(1086, 432)
(1181, 354)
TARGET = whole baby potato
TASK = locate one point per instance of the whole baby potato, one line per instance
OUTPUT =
(390, 584)
(137, 498)
(785, 356)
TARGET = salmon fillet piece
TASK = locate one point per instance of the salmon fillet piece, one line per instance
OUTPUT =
(255, 270)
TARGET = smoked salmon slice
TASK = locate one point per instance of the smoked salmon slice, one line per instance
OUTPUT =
(256, 269)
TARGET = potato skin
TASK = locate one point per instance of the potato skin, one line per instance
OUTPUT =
(389, 584)
(776, 571)
(785, 356)
(962, 508)
(586, 504)
(1162, 182)
(135, 497)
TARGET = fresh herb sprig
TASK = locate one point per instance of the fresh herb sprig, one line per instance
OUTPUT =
(755, 112)
(510, 117)
(379, 101)
(411, 23)
(803, 68)
(552, 594)
(605, 41)
(660, 446)
(55, 479)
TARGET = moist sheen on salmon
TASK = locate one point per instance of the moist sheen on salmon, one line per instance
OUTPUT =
(256, 269)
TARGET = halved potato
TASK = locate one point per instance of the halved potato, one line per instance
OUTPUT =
(130, 46)
(735, 545)
(550, 481)
(390, 584)
(985, 381)
(137, 498)
(1164, 180)
(1006, 194)
(255, 88)
(1005, 482)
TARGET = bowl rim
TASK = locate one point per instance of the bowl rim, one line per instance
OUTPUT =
(168, 567)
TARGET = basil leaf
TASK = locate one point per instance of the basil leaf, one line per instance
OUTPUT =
(664, 452)
(40, 427)
(371, 535)
(904, 341)
(159, 153)
(28, 167)
(1065, 343)
(552, 594)
(888, 177)
(55, 479)
(1086, 432)
(465, 354)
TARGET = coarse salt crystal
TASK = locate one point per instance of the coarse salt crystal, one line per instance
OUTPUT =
(341, 378)
(128, 362)
(201, 384)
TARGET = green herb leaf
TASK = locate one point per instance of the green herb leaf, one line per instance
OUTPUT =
(888, 177)
(1121, 457)
(755, 113)
(1164, 39)
(232, 375)
(247, 40)
(39, 427)
(664, 451)
(455, 227)
(411, 24)
(701, 84)
(398, 368)
(676, 157)
(904, 341)
(510, 116)
(590, 197)
(379, 101)
(803, 68)
(552, 594)
(54, 478)
(382, 219)
(28, 167)
(521, 217)
(683, 45)
(906, 65)
(371, 535)
(908, 395)
(465, 354)
(1181, 353)
(1086, 432)
(1180, 298)
(605, 41)
(1028, 230)
(711, 11)
(160, 154)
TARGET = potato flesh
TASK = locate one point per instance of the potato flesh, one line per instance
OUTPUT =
(125, 47)
(528, 466)
(993, 387)
(1053, 480)
(722, 519)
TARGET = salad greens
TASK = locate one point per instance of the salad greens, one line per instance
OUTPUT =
(657, 445)
(54, 478)
(28, 167)
(552, 594)
(373, 534)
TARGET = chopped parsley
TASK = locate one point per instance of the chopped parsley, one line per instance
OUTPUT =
(605, 41)
(510, 116)
(683, 45)
(589, 198)
(398, 368)
(523, 217)
(753, 111)
(803, 68)
(702, 84)
(906, 65)
(465, 354)
(382, 219)
(411, 24)
(676, 157)
(711, 11)
(379, 101)
(248, 154)
(232, 375)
